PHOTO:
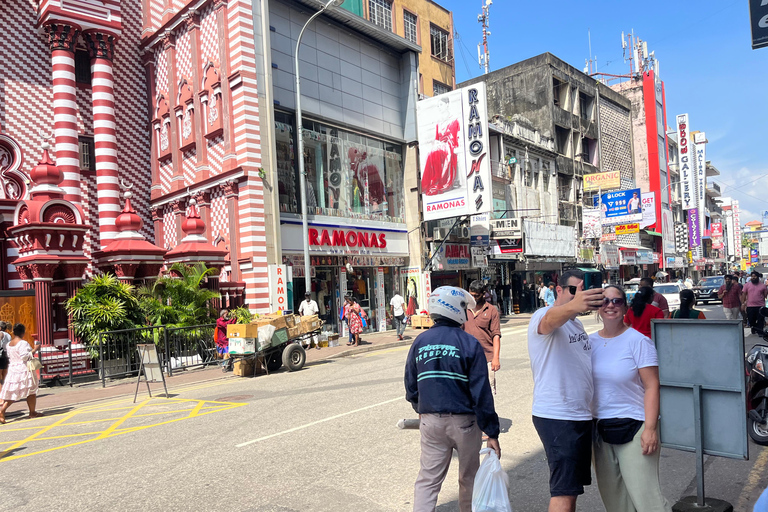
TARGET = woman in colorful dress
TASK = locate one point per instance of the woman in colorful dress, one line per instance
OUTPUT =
(354, 321)
(222, 342)
(20, 383)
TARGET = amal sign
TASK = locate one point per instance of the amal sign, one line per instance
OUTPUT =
(455, 158)
(452, 257)
(602, 181)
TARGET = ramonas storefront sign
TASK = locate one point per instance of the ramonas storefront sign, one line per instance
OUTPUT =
(453, 147)
(346, 238)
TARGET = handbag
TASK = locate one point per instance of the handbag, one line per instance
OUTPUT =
(34, 364)
(618, 430)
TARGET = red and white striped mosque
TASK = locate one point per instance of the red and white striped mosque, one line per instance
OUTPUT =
(127, 142)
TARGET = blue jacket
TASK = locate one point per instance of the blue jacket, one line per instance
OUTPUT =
(446, 372)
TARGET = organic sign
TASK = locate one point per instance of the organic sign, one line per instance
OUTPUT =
(602, 181)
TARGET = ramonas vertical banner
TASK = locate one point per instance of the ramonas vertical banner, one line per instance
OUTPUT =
(454, 153)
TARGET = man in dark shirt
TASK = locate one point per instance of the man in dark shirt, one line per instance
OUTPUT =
(446, 381)
(658, 299)
(483, 323)
(730, 293)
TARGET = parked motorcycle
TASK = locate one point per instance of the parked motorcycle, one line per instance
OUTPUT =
(757, 389)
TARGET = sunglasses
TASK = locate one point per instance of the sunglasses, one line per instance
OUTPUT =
(572, 290)
(616, 302)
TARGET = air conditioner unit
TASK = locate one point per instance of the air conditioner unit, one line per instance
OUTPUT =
(439, 233)
(463, 232)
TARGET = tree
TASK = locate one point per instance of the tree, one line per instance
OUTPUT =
(103, 304)
(179, 299)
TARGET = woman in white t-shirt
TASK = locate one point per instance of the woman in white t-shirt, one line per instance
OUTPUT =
(625, 372)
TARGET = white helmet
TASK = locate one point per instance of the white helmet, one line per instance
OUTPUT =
(451, 303)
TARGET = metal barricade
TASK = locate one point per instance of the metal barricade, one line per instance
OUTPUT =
(189, 347)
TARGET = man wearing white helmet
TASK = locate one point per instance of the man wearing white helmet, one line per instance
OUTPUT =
(446, 381)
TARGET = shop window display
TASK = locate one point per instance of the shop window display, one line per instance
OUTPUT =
(348, 174)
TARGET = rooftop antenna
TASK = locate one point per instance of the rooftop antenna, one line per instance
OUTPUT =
(484, 58)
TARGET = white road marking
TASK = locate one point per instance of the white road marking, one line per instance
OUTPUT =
(294, 429)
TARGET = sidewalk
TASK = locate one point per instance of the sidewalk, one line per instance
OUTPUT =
(58, 398)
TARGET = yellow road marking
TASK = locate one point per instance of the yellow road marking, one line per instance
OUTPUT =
(753, 480)
(119, 426)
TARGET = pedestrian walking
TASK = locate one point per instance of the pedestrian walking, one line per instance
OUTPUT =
(543, 295)
(561, 364)
(658, 299)
(446, 381)
(220, 332)
(21, 381)
(494, 297)
(689, 283)
(687, 301)
(355, 316)
(641, 311)
(309, 307)
(753, 298)
(506, 291)
(4, 361)
(549, 295)
(397, 307)
(730, 294)
(625, 373)
(483, 323)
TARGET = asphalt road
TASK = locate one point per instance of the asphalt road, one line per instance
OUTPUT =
(322, 439)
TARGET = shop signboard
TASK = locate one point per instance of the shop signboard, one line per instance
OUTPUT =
(716, 229)
(455, 153)
(609, 255)
(649, 209)
(627, 229)
(694, 238)
(507, 248)
(479, 230)
(687, 177)
(644, 257)
(593, 228)
(381, 307)
(608, 237)
(668, 230)
(628, 258)
(417, 286)
(736, 229)
(450, 256)
(754, 256)
(278, 287)
(479, 259)
(426, 278)
(621, 206)
(670, 262)
(506, 228)
(758, 17)
(549, 240)
(602, 181)
(344, 237)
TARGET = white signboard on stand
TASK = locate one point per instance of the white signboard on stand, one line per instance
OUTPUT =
(343, 289)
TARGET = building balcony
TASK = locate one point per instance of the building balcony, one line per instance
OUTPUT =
(499, 170)
(564, 165)
(713, 189)
(712, 170)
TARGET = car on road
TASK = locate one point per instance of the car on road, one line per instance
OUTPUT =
(671, 292)
(706, 290)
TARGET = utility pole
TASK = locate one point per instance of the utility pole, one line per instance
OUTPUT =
(484, 58)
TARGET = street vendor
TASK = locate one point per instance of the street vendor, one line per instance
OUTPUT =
(220, 333)
(309, 308)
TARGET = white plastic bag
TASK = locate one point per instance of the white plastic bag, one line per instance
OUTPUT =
(265, 335)
(491, 493)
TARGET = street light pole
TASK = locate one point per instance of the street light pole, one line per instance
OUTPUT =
(300, 144)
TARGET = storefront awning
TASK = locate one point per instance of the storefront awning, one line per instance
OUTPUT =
(652, 233)
(630, 247)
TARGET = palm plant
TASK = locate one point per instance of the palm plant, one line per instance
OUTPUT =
(179, 299)
(103, 304)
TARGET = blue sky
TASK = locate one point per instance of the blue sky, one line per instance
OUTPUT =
(706, 61)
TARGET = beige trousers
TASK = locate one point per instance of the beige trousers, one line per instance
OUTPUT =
(440, 434)
(492, 378)
(628, 480)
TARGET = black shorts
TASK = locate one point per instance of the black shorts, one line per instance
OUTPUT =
(568, 445)
(4, 362)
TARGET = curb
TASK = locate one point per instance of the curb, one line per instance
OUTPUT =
(372, 348)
